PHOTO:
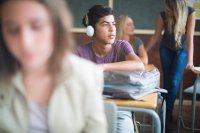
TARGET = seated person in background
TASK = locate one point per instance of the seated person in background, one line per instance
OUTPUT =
(126, 31)
(109, 53)
(42, 86)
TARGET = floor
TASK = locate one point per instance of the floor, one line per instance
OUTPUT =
(187, 119)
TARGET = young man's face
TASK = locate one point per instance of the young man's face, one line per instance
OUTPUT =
(105, 30)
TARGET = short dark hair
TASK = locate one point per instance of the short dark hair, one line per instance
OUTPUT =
(95, 13)
(63, 38)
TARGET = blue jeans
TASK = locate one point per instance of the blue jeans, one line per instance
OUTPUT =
(173, 65)
(124, 122)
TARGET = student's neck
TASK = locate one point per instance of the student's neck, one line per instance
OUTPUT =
(101, 50)
(36, 72)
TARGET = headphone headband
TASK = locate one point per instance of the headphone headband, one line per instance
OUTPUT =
(86, 20)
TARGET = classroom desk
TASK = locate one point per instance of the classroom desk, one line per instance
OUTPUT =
(149, 67)
(147, 104)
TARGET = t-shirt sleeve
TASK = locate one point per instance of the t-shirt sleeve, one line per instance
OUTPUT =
(126, 47)
(190, 10)
(82, 51)
(138, 41)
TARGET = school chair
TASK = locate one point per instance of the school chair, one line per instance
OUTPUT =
(194, 90)
(111, 116)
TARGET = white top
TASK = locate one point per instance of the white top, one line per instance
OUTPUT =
(38, 122)
(76, 104)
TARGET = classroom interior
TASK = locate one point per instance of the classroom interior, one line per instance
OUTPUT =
(145, 19)
(146, 110)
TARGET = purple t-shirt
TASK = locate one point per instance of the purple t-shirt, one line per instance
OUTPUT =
(118, 52)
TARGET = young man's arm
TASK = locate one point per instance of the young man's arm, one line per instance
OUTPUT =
(132, 63)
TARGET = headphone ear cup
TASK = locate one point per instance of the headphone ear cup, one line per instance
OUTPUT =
(90, 31)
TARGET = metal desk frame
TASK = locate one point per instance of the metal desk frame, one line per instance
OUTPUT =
(180, 113)
(143, 106)
(147, 111)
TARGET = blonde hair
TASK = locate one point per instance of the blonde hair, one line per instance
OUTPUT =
(120, 24)
(177, 23)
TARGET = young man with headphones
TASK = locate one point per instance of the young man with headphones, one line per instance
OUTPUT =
(109, 53)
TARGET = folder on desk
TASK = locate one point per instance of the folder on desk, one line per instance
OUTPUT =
(137, 78)
(131, 85)
(128, 93)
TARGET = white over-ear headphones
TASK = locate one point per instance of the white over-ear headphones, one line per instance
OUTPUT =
(89, 29)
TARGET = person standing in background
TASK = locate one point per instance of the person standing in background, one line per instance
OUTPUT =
(176, 48)
(126, 31)
(109, 53)
(42, 86)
